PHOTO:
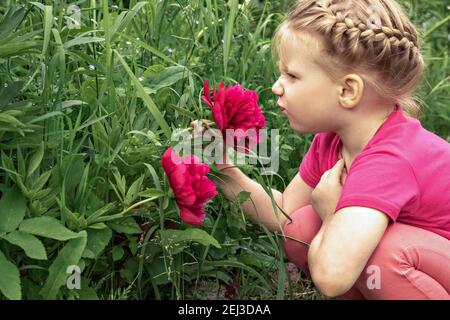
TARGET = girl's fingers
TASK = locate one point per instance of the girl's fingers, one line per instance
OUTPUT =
(335, 173)
(197, 125)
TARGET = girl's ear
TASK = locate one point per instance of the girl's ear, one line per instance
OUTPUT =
(351, 90)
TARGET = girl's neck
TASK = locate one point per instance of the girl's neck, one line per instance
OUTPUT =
(356, 136)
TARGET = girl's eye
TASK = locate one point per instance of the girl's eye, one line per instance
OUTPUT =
(290, 75)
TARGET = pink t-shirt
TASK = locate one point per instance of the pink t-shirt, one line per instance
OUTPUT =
(403, 171)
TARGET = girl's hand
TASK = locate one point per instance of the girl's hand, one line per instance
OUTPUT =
(328, 191)
(199, 128)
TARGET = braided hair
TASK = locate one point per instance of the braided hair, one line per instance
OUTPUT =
(371, 37)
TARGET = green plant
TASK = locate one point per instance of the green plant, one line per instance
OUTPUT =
(85, 115)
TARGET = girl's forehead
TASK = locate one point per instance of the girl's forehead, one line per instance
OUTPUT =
(297, 48)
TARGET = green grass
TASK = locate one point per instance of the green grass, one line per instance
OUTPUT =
(87, 113)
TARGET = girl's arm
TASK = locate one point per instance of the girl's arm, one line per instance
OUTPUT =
(342, 247)
(259, 207)
(346, 240)
(296, 195)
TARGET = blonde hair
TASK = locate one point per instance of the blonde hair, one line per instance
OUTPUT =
(373, 38)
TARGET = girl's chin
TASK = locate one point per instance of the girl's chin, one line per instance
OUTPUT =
(299, 128)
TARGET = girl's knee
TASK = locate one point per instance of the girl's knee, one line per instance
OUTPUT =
(298, 235)
(304, 224)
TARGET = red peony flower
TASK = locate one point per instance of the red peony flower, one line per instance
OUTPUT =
(237, 109)
(190, 185)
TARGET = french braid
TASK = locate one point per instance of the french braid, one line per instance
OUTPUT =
(367, 35)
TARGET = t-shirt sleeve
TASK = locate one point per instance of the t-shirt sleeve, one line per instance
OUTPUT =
(309, 168)
(381, 181)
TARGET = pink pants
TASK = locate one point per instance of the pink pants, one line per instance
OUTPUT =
(410, 262)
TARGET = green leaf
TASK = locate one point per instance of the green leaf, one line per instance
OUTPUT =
(48, 17)
(153, 193)
(45, 116)
(70, 103)
(47, 227)
(86, 292)
(157, 77)
(8, 93)
(133, 190)
(242, 197)
(11, 20)
(132, 244)
(8, 165)
(228, 33)
(258, 260)
(98, 226)
(146, 46)
(41, 181)
(147, 100)
(36, 159)
(98, 213)
(172, 236)
(73, 174)
(38, 4)
(437, 26)
(124, 20)
(185, 112)
(120, 182)
(88, 253)
(117, 253)
(69, 255)
(32, 246)
(236, 264)
(97, 240)
(10, 279)
(127, 226)
(282, 277)
(15, 48)
(82, 40)
(12, 209)
(158, 271)
(21, 164)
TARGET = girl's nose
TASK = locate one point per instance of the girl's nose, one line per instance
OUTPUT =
(277, 89)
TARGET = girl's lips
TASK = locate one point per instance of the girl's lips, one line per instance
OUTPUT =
(283, 110)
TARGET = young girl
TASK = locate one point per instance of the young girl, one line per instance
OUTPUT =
(372, 196)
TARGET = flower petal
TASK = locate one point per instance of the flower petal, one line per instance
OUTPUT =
(179, 177)
(206, 96)
(167, 159)
(192, 216)
(186, 196)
